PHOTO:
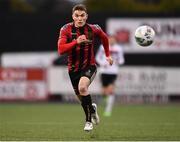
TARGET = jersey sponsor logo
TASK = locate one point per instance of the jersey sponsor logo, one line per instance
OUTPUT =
(88, 73)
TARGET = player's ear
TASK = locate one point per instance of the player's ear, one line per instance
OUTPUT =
(86, 16)
(73, 16)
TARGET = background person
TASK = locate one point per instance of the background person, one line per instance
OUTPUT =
(108, 74)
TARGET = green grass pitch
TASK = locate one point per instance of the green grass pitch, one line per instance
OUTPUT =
(59, 122)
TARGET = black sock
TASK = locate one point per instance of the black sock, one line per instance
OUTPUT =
(87, 106)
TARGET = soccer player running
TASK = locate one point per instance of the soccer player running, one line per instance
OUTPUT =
(76, 39)
(108, 74)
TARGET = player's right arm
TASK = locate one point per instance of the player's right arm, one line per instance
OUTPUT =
(63, 46)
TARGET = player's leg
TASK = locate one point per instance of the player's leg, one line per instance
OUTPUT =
(109, 86)
(86, 101)
(75, 77)
(75, 80)
(89, 108)
(109, 100)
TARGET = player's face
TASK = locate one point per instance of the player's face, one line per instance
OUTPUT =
(79, 18)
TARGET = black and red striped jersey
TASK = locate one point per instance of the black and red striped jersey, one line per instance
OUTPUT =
(80, 56)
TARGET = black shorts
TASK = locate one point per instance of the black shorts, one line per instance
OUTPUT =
(89, 72)
(108, 79)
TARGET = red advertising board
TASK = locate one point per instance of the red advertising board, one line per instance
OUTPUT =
(23, 84)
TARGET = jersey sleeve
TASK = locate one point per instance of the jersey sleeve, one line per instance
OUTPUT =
(63, 46)
(103, 37)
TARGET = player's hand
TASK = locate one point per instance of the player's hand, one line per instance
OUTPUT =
(82, 39)
(110, 60)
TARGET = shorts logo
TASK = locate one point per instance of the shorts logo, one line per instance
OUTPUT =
(88, 73)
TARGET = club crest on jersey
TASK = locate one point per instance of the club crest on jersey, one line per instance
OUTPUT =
(73, 34)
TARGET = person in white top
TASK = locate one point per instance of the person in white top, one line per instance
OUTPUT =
(108, 74)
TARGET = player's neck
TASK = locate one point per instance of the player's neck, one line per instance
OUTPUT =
(79, 26)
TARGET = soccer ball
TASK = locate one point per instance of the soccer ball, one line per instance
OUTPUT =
(144, 35)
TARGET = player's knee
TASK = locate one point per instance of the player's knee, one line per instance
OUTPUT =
(82, 89)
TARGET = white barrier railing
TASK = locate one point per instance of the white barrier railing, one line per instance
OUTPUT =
(131, 81)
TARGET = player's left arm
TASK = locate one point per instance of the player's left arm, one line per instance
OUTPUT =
(104, 41)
